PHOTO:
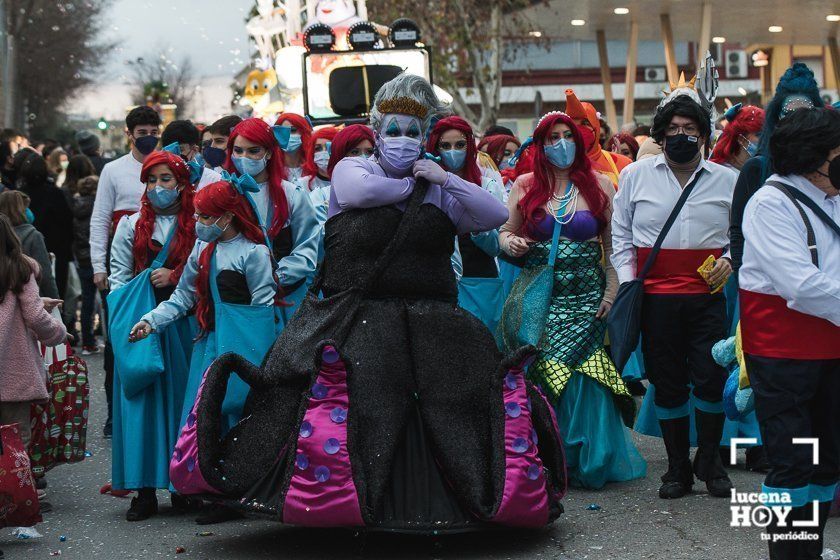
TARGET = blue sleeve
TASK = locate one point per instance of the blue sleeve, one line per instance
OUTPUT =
(183, 299)
(301, 262)
(260, 276)
(122, 254)
(321, 201)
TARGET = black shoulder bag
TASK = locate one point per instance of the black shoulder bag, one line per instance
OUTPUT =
(624, 322)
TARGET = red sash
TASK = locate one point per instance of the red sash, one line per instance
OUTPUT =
(675, 270)
(117, 216)
(769, 328)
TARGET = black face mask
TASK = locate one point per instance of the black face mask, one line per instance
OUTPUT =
(214, 156)
(146, 144)
(833, 172)
(681, 148)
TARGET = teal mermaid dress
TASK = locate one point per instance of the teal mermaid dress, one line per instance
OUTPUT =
(592, 402)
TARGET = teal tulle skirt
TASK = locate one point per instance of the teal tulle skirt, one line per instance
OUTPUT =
(598, 446)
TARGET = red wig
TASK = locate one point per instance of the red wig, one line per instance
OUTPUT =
(470, 170)
(184, 235)
(309, 168)
(347, 139)
(214, 200)
(494, 146)
(749, 120)
(542, 186)
(623, 138)
(304, 129)
(258, 132)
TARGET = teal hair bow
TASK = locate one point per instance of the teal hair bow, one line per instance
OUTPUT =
(242, 183)
(196, 171)
(732, 112)
(173, 148)
(515, 158)
(282, 135)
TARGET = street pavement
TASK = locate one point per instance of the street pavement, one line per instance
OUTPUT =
(629, 522)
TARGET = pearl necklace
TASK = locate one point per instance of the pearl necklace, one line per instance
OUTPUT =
(568, 201)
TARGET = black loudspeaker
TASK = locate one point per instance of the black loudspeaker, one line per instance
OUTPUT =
(352, 88)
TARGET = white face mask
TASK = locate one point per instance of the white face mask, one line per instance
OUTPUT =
(322, 160)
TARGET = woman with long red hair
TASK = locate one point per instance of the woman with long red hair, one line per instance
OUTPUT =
(739, 141)
(564, 208)
(501, 148)
(147, 260)
(230, 267)
(284, 208)
(294, 141)
(328, 147)
(479, 287)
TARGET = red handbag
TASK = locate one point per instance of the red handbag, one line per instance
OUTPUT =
(59, 428)
(18, 498)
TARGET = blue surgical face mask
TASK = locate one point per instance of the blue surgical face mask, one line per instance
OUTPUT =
(322, 160)
(252, 167)
(210, 233)
(453, 160)
(214, 156)
(752, 149)
(504, 164)
(561, 154)
(294, 144)
(30, 217)
(162, 198)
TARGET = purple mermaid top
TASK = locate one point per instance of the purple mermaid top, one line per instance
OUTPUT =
(583, 226)
(362, 183)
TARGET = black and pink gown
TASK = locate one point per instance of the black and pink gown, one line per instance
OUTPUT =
(415, 422)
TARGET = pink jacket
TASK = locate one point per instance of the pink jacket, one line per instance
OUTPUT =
(24, 321)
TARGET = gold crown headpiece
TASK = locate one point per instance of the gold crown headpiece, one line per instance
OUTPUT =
(681, 84)
(403, 106)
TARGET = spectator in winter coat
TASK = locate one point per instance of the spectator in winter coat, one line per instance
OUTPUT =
(15, 206)
(89, 146)
(82, 209)
(24, 321)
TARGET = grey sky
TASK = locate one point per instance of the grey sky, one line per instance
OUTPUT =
(211, 32)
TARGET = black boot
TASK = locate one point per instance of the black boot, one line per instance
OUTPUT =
(757, 459)
(812, 550)
(707, 464)
(143, 506)
(779, 547)
(677, 482)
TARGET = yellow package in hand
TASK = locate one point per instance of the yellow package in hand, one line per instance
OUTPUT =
(706, 269)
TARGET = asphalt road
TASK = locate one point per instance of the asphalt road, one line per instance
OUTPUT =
(632, 523)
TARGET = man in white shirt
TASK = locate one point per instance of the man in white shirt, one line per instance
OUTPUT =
(790, 322)
(118, 195)
(681, 318)
(184, 138)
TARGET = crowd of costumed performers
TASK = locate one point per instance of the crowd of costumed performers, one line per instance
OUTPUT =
(399, 325)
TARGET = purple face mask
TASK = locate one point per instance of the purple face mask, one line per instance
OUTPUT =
(397, 154)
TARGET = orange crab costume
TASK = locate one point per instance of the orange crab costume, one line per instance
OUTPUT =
(608, 163)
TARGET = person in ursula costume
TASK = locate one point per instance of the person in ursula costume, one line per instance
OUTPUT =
(294, 135)
(564, 195)
(355, 140)
(148, 255)
(586, 118)
(229, 281)
(284, 208)
(316, 178)
(790, 324)
(683, 314)
(479, 286)
(385, 404)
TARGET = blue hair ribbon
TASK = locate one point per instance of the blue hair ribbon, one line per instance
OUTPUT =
(282, 135)
(515, 158)
(173, 148)
(732, 112)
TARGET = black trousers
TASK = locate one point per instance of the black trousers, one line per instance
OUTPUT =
(798, 399)
(678, 332)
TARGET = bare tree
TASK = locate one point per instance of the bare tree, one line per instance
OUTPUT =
(159, 79)
(57, 50)
(468, 38)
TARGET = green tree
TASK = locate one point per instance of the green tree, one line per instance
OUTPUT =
(57, 51)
